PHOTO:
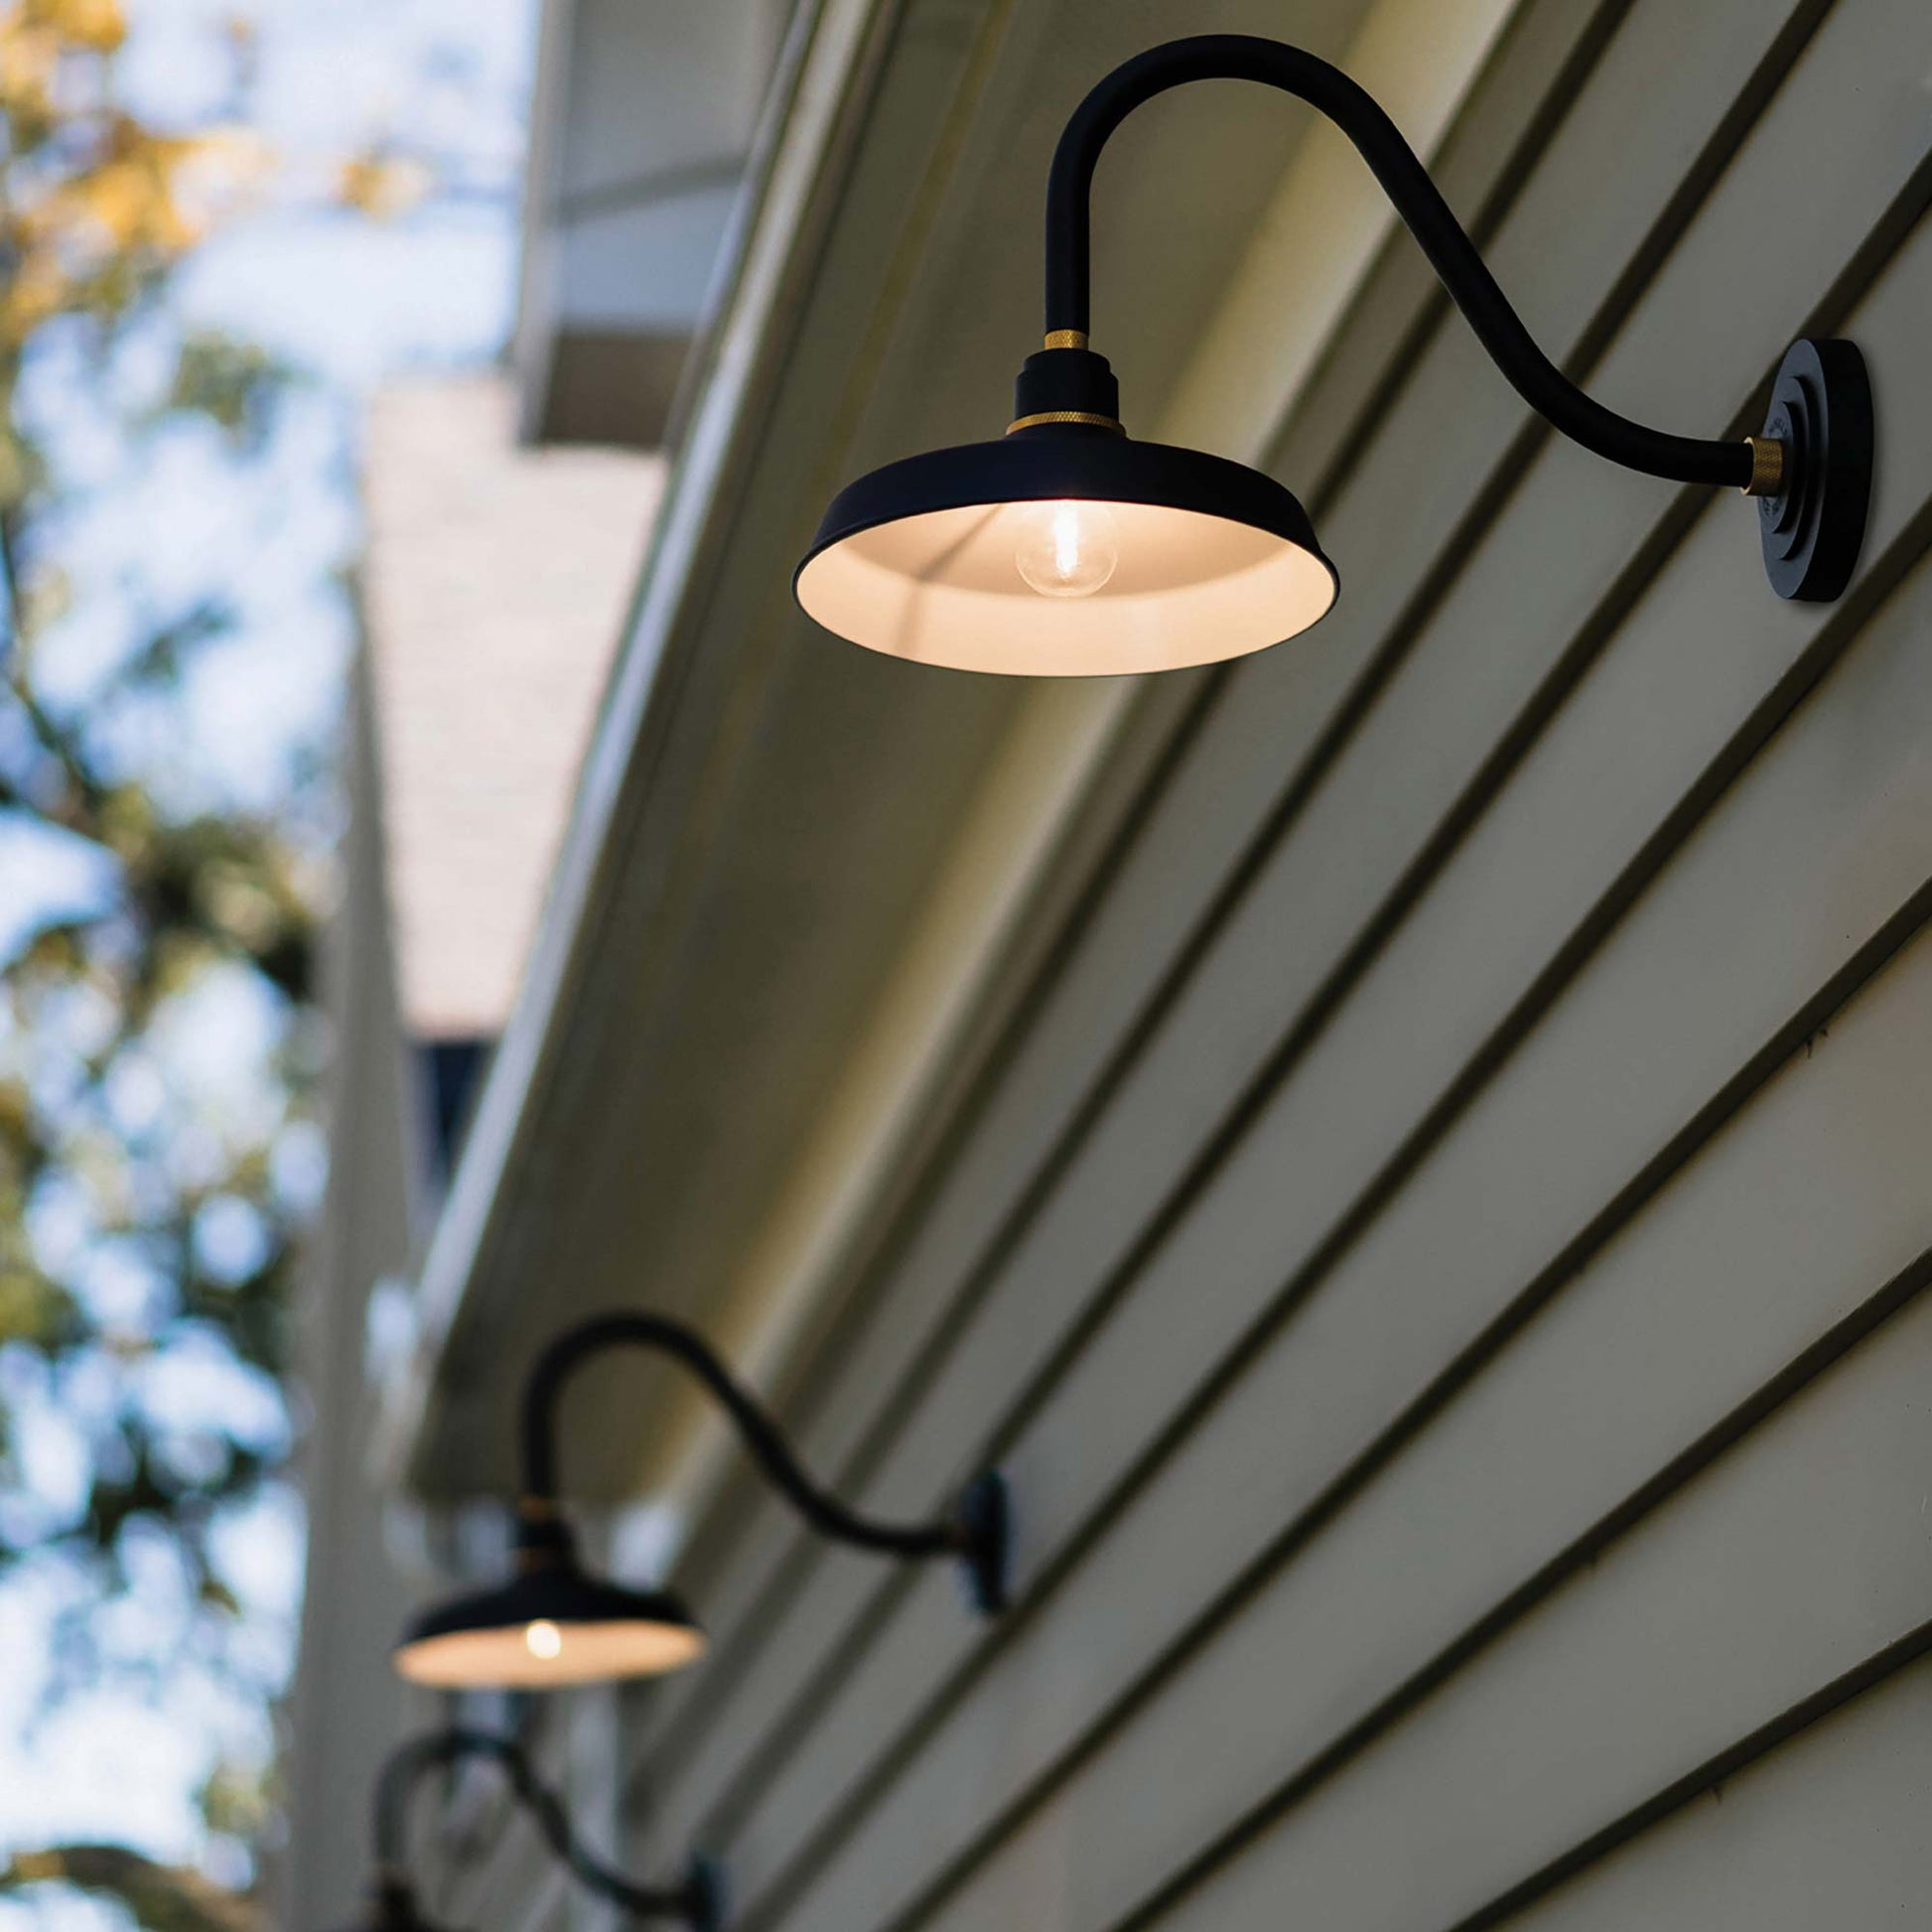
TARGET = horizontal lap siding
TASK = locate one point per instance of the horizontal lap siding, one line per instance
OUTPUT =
(1780, 1570)
(1798, 1232)
(1306, 897)
(1455, 1342)
(1829, 1831)
(1487, 1221)
(1179, 877)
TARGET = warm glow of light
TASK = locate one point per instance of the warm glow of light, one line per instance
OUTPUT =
(1067, 549)
(1184, 588)
(508, 1656)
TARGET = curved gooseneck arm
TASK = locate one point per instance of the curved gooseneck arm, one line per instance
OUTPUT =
(410, 1761)
(1240, 56)
(951, 1535)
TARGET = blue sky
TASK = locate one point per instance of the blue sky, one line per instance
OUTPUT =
(351, 302)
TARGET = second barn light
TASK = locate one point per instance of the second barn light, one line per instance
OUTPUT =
(554, 1624)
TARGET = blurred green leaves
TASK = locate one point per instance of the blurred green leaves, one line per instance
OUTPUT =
(157, 1047)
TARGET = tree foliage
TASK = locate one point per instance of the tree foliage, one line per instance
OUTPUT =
(155, 1046)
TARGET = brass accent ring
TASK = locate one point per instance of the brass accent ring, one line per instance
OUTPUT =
(1066, 416)
(1066, 339)
(1767, 466)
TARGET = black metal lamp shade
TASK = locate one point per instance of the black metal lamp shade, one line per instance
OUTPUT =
(551, 1626)
(1066, 550)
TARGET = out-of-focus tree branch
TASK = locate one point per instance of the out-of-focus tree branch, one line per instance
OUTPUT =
(160, 1897)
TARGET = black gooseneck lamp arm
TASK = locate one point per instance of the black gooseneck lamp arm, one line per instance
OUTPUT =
(696, 1902)
(1406, 182)
(1810, 469)
(973, 1532)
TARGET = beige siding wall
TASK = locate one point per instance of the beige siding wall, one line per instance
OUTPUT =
(1438, 1253)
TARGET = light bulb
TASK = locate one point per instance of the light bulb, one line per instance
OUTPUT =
(544, 1639)
(1067, 549)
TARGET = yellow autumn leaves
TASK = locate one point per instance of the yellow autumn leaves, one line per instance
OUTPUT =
(87, 238)
(93, 200)
(39, 39)
(381, 184)
(36, 34)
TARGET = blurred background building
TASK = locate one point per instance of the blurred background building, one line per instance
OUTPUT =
(508, 518)
(1409, 1150)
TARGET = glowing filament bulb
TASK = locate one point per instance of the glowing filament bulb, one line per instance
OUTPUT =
(1067, 549)
(544, 1639)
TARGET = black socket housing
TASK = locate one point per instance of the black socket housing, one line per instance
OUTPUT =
(1070, 381)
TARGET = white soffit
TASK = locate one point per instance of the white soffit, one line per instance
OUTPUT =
(496, 584)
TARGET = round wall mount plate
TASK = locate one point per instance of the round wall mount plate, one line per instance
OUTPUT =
(1821, 411)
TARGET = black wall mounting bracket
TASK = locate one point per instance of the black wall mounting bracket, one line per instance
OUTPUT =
(1813, 517)
(1814, 522)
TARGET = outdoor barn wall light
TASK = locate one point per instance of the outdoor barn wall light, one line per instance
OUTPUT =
(393, 1908)
(554, 1624)
(1068, 548)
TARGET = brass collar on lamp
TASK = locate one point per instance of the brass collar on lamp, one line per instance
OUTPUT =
(553, 1625)
(1067, 548)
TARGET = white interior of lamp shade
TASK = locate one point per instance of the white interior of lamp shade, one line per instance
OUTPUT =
(945, 588)
(590, 1653)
